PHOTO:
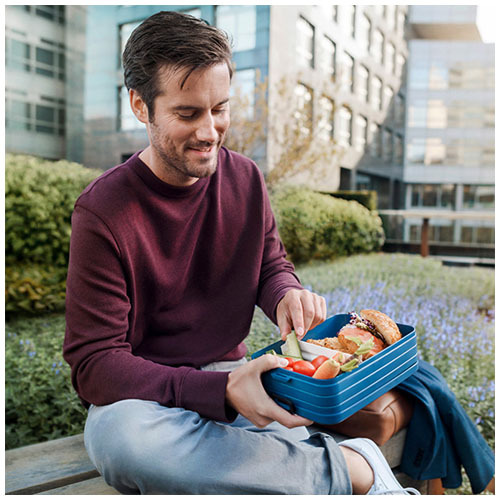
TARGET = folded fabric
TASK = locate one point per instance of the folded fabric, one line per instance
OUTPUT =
(441, 437)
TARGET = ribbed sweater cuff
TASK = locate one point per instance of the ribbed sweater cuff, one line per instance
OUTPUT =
(205, 393)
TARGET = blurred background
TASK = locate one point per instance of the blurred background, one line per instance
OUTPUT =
(390, 98)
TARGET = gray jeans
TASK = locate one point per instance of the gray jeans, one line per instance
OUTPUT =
(142, 447)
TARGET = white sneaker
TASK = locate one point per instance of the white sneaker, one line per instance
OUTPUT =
(385, 483)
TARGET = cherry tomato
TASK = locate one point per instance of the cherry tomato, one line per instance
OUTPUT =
(304, 367)
(318, 361)
(289, 368)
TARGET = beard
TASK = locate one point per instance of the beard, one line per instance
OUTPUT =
(180, 160)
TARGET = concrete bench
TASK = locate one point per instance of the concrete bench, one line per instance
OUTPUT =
(62, 467)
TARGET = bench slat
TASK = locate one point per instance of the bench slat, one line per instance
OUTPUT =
(95, 486)
(40, 467)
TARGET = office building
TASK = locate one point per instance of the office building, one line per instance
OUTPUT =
(45, 54)
(449, 162)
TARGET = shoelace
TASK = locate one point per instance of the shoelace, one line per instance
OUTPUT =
(410, 490)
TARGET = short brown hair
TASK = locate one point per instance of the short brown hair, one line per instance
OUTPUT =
(171, 38)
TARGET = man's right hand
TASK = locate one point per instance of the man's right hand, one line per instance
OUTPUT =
(246, 394)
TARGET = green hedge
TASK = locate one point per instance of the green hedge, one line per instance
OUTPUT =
(39, 199)
(34, 289)
(367, 198)
(318, 226)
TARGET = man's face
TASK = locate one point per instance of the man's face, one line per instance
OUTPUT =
(189, 124)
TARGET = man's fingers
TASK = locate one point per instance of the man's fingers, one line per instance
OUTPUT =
(287, 419)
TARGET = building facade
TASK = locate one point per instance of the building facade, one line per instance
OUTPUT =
(449, 161)
(44, 57)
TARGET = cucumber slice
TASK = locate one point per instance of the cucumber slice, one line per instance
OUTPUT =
(291, 346)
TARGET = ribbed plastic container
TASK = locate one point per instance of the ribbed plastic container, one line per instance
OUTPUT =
(332, 400)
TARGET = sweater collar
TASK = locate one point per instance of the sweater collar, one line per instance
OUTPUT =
(161, 187)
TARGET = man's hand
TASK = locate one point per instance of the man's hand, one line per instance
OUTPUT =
(300, 310)
(246, 394)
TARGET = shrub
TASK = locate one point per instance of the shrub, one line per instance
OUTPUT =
(39, 199)
(318, 226)
(367, 198)
(34, 289)
(40, 403)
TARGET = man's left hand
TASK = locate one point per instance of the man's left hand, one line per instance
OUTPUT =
(300, 310)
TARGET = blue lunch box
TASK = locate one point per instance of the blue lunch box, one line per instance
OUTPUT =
(332, 400)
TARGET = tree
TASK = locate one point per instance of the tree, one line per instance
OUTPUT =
(280, 126)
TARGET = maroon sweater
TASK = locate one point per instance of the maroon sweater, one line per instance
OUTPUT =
(164, 279)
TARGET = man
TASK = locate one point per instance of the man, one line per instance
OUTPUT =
(170, 253)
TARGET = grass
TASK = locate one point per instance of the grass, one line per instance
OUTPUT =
(451, 308)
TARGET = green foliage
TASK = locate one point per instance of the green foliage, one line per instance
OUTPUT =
(39, 401)
(39, 199)
(34, 289)
(367, 198)
(318, 226)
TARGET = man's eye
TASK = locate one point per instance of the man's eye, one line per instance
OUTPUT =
(186, 116)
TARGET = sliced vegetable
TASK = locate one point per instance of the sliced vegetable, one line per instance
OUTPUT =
(319, 360)
(329, 369)
(304, 367)
(291, 346)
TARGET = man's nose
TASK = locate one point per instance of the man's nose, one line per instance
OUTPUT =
(206, 130)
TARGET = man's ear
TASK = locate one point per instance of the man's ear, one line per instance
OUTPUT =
(138, 106)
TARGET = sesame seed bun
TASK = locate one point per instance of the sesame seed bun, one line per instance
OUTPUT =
(384, 325)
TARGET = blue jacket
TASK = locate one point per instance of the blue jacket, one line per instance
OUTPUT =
(441, 437)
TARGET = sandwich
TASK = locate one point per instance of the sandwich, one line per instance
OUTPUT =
(366, 334)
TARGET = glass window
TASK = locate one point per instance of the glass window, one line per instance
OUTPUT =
(485, 235)
(18, 55)
(401, 20)
(399, 110)
(127, 119)
(304, 111)
(244, 86)
(350, 18)
(429, 196)
(376, 92)
(416, 151)
(400, 62)
(435, 151)
(51, 12)
(438, 76)
(241, 22)
(348, 72)
(362, 82)
(345, 126)
(417, 113)
(326, 117)
(361, 131)
(390, 16)
(363, 34)
(328, 51)
(377, 46)
(18, 115)
(418, 77)
(390, 54)
(375, 139)
(398, 148)
(305, 42)
(387, 144)
(436, 114)
(388, 95)
(447, 199)
(125, 32)
(478, 196)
